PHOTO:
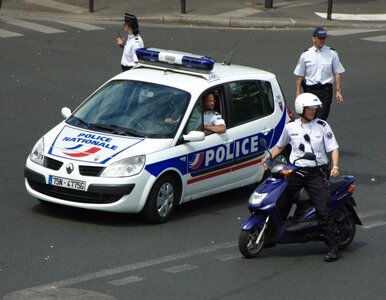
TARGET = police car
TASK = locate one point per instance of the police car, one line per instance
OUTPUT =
(136, 144)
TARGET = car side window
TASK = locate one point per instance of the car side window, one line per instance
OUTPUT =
(195, 121)
(251, 100)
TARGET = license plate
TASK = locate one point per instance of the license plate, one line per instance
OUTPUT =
(67, 183)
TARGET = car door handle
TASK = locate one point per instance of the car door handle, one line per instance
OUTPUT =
(266, 130)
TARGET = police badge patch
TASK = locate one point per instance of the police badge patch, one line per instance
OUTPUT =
(329, 135)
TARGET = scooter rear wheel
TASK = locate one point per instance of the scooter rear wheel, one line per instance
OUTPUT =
(347, 230)
(247, 242)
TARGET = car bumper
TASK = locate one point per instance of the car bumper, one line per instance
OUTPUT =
(106, 194)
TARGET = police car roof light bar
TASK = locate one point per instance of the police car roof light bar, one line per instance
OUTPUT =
(178, 60)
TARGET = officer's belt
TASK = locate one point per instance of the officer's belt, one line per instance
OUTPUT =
(319, 86)
(313, 170)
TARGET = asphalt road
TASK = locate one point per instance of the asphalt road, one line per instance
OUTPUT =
(48, 252)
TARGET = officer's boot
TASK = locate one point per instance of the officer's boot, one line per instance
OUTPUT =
(332, 254)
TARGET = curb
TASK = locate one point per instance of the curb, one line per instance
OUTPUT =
(196, 20)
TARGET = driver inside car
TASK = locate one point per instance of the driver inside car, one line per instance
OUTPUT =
(213, 122)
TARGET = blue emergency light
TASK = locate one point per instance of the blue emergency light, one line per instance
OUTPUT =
(179, 59)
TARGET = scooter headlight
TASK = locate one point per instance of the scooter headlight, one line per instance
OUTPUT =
(257, 198)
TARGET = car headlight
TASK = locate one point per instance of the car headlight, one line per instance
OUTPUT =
(257, 198)
(37, 153)
(126, 167)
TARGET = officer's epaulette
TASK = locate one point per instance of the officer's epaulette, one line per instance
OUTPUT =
(332, 49)
(305, 50)
(137, 39)
(321, 122)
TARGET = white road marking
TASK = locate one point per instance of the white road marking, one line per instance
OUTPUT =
(51, 287)
(341, 32)
(227, 257)
(31, 26)
(294, 4)
(180, 268)
(8, 34)
(38, 290)
(380, 39)
(371, 213)
(240, 13)
(354, 17)
(83, 26)
(125, 281)
(59, 6)
(373, 224)
(62, 293)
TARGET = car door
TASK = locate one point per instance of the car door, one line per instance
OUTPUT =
(252, 115)
(208, 161)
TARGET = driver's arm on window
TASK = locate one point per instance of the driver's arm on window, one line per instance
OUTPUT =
(215, 128)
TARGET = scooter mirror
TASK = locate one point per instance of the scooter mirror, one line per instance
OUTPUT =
(263, 143)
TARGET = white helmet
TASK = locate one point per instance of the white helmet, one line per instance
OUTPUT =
(306, 100)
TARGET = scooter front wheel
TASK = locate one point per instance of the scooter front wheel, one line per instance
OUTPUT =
(249, 245)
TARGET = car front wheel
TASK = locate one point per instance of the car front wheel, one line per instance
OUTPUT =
(161, 201)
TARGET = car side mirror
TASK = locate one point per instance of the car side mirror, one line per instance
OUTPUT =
(66, 112)
(194, 136)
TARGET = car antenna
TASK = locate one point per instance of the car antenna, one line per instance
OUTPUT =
(228, 58)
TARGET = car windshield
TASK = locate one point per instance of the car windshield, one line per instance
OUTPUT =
(133, 108)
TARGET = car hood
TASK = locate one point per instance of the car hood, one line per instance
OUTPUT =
(73, 143)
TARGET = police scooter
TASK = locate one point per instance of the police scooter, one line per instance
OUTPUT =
(267, 226)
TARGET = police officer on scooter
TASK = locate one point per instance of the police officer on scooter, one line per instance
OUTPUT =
(310, 134)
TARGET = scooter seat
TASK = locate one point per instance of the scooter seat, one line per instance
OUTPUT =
(301, 196)
(336, 183)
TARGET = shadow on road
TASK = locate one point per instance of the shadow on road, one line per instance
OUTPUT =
(209, 205)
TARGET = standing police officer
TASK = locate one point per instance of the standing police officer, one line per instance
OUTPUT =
(316, 70)
(310, 134)
(134, 41)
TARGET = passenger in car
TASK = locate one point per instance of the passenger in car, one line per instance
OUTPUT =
(213, 122)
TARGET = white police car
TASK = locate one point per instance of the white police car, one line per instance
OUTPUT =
(116, 153)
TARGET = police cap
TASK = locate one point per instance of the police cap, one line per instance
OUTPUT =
(131, 20)
(320, 32)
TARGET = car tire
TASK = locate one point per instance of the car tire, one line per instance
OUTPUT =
(162, 200)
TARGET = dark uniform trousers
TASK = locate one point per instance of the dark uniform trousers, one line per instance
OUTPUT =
(324, 92)
(315, 183)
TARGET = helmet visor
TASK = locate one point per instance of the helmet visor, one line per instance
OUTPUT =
(313, 106)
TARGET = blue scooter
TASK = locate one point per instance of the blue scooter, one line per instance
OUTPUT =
(268, 225)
